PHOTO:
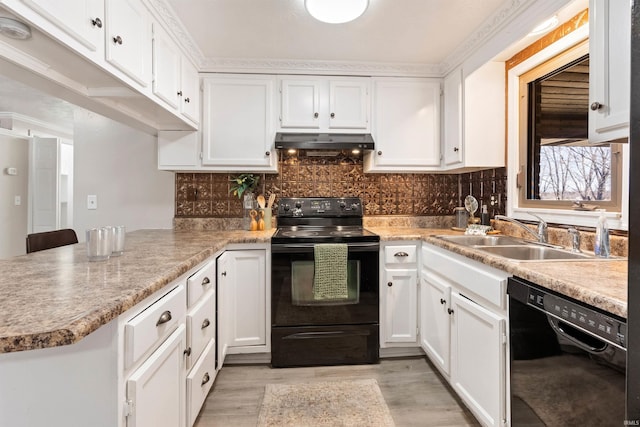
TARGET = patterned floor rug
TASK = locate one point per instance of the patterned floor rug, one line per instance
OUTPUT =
(337, 403)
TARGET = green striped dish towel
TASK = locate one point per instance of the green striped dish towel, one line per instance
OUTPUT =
(330, 271)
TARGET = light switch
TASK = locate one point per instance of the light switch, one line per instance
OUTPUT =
(17, 200)
(92, 201)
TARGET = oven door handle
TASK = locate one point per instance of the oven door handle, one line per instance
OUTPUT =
(323, 334)
(308, 247)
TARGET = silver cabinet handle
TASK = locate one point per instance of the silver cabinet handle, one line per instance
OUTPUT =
(380, 153)
(117, 40)
(443, 301)
(187, 100)
(333, 115)
(456, 149)
(595, 106)
(205, 378)
(224, 273)
(187, 352)
(315, 115)
(402, 254)
(205, 281)
(96, 22)
(205, 324)
(450, 310)
(179, 93)
(164, 318)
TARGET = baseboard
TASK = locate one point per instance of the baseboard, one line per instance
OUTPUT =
(248, 359)
(401, 352)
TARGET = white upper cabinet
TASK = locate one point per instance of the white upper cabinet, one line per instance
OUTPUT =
(189, 91)
(474, 118)
(175, 79)
(321, 104)
(83, 20)
(609, 69)
(166, 67)
(238, 123)
(405, 125)
(128, 38)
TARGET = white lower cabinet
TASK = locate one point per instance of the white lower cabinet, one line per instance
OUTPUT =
(399, 295)
(199, 381)
(478, 353)
(435, 320)
(155, 391)
(242, 288)
(463, 329)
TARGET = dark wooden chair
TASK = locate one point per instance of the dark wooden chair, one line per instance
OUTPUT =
(50, 239)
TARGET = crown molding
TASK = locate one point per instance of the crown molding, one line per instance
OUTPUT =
(165, 13)
(294, 66)
(489, 28)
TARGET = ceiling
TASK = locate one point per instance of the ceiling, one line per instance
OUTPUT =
(404, 31)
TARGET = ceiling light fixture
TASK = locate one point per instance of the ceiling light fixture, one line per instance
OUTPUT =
(336, 11)
(546, 26)
(14, 29)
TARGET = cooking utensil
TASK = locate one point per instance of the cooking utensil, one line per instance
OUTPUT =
(261, 201)
(272, 198)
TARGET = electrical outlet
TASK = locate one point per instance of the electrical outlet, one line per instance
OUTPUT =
(92, 201)
(17, 200)
(494, 200)
(192, 194)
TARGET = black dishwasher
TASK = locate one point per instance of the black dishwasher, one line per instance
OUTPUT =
(568, 360)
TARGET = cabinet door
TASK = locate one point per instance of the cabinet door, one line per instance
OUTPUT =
(190, 89)
(406, 125)
(435, 320)
(81, 19)
(238, 123)
(166, 67)
(201, 327)
(128, 43)
(247, 286)
(478, 367)
(156, 390)
(300, 103)
(609, 69)
(400, 291)
(349, 104)
(453, 118)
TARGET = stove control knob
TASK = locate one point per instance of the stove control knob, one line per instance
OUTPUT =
(354, 206)
(286, 207)
(342, 205)
(298, 205)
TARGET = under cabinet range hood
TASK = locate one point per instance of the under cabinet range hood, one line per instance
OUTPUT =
(324, 141)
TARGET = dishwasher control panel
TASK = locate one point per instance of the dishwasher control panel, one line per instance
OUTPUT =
(585, 318)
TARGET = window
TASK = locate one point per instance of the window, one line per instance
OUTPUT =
(558, 165)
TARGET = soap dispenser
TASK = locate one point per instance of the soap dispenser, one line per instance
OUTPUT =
(485, 219)
(601, 245)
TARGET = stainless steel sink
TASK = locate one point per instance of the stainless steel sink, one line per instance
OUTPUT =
(535, 253)
(468, 240)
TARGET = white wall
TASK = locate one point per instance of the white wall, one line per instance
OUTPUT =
(119, 165)
(14, 152)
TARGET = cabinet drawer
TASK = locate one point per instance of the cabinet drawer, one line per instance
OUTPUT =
(147, 329)
(201, 326)
(200, 282)
(405, 254)
(199, 382)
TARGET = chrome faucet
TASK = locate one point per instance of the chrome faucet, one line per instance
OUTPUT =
(575, 239)
(541, 236)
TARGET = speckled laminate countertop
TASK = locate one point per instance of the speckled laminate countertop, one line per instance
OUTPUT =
(56, 297)
(600, 283)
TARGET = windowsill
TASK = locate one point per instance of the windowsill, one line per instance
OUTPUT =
(571, 217)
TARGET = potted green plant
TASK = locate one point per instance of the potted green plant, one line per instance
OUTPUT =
(243, 183)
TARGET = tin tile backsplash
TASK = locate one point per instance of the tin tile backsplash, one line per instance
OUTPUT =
(207, 194)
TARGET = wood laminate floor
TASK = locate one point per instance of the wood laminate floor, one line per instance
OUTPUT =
(415, 393)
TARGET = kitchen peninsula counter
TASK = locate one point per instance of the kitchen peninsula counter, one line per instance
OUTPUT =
(56, 297)
(600, 283)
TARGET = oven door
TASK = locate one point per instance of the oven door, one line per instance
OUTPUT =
(293, 302)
